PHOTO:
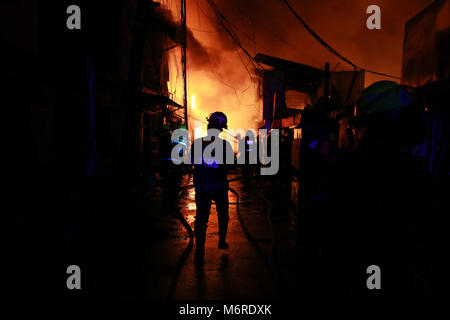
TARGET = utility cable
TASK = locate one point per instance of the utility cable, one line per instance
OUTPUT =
(327, 46)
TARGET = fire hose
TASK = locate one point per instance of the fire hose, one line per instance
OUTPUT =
(268, 261)
(178, 215)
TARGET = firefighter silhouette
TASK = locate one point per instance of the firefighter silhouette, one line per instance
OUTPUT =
(372, 206)
(250, 156)
(211, 183)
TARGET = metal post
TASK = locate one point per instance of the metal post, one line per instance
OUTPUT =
(183, 58)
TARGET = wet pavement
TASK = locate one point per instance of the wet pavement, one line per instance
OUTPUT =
(132, 246)
(258, 269)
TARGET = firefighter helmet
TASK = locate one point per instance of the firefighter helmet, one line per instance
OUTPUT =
(383, 96)
(217, 120)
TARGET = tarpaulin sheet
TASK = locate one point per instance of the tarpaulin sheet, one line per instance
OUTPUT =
(426, 48)
(341, 83)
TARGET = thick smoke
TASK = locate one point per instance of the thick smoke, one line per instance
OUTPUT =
(269, 26)
(219, 78)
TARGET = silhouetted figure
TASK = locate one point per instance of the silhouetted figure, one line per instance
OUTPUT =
(250, 153)
(373, 208)
(211, 184)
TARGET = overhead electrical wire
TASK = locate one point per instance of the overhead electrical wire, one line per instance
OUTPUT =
(228, 27)
(276, 37)
(215, 72)
(327, 46)
(207, 31)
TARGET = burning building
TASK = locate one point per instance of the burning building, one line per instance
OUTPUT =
(90, 183)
